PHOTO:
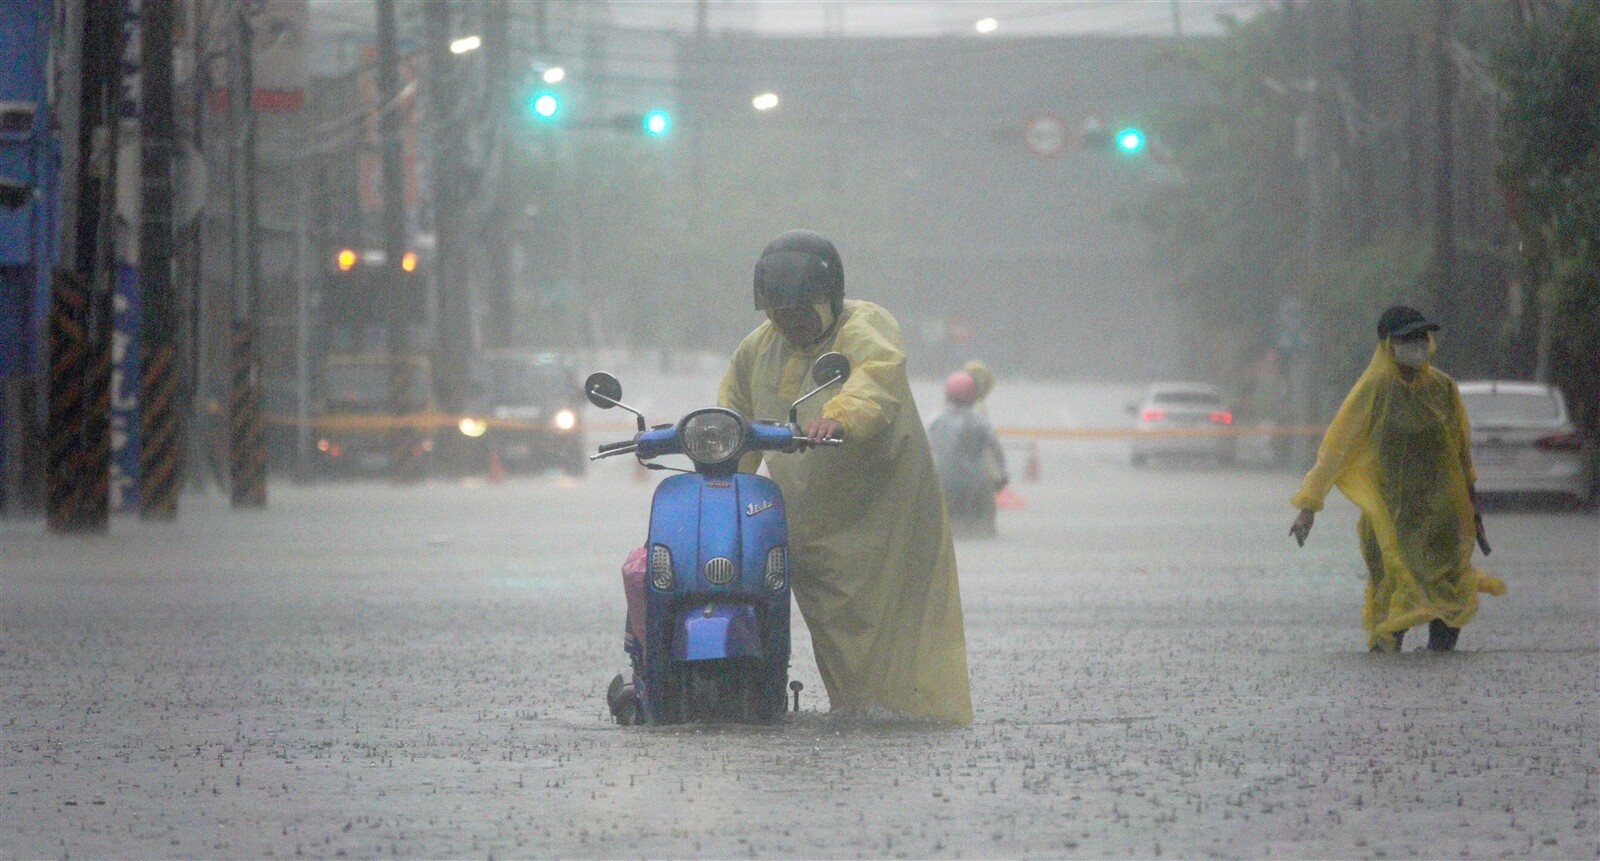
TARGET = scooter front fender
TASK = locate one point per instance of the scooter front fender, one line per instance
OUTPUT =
(710, 631)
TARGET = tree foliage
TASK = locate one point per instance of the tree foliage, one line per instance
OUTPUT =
(1550, 140)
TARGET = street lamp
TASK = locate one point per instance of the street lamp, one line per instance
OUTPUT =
(554, 75)
(466, 44)
(986, 25)
(765, 101)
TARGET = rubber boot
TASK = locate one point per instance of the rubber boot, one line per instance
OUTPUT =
(1442, 637)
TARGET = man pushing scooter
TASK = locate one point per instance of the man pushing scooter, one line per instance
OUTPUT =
(874, 569)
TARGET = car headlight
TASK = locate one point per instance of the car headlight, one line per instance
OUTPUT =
(566, 420)
(712, 436)
(472, 427)
(661, 567)
(777, 561)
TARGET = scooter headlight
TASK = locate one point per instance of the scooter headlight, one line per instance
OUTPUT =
(777, 562)
(712, 436)
(661, 567)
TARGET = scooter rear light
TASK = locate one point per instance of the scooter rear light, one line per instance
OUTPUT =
(661, 567)
(1559, 442)
(1152, 415)
(1221, 417)
(777, 564)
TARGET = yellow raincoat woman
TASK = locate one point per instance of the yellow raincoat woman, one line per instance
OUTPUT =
(869, 544)
(1399, 448)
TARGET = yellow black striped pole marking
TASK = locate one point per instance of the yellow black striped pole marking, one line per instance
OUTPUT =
(68, 355)
(159, 434)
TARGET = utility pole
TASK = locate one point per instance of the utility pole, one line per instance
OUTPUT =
(1315, 138)
(1444, 242)
(402, 439)
(1363, 217)
(496, 294)
(247, 444)
(454, 336)
(160, 420)
(77, 480)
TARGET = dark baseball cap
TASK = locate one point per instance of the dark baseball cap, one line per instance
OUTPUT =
(1402, 320)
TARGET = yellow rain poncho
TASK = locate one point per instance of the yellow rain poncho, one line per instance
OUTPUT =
(869, 546)
(1400, 451)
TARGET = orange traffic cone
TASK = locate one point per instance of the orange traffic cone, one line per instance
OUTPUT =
(497, 469)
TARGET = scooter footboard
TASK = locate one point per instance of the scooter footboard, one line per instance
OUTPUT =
(707, 632)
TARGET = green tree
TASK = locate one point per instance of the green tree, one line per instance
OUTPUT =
(1550, 140)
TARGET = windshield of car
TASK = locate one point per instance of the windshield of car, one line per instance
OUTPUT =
(364, 387)
(1185, 398)
(515, 383)
(1510, 407)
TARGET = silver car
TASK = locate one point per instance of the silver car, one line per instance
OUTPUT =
(1523, 441)
(1183, 420)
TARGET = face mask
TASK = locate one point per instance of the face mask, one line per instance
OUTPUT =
(1411, 353)
(809, 335)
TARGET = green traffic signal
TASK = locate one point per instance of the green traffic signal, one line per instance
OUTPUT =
(656, 123)
(544, 105)
(1130, 140)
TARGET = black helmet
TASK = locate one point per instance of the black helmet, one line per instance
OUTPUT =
(800, 267)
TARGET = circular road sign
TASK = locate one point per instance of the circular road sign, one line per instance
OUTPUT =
(1046, 135)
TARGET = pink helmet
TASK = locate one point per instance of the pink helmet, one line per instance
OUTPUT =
(960, 388)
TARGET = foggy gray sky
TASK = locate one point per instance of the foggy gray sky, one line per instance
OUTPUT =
(888, 17)
(936, 17)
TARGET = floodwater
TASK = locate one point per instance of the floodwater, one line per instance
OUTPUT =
(364, 670)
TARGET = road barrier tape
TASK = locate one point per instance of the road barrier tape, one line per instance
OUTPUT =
(1159, 433)
(428, 421)
(436, 420)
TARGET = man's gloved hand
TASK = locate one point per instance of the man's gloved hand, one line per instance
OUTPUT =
(1302, 526)
(819, 429)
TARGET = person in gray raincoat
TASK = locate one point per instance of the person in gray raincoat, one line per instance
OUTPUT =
(972, 466)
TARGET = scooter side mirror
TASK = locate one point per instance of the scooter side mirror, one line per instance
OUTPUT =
(603, 390)
(830, 366)
(828, 369)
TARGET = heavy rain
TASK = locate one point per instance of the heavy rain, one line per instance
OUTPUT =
(364, 489)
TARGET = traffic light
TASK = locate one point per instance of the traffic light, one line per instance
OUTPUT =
(544, 105)
(1130, 140)
(656, 123)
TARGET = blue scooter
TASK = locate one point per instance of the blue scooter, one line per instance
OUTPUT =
(716, 646)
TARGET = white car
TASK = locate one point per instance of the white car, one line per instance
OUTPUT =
(1523, 441)
(1182, 420)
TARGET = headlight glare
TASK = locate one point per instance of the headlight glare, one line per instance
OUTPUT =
(472, 427)
(712, 436)
(566, 420)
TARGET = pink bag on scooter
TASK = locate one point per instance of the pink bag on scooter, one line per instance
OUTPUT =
(633, 574)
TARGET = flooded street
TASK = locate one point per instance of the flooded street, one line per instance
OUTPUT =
(363, 670)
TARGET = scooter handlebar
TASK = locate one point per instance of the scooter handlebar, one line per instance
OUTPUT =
(612, 449)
